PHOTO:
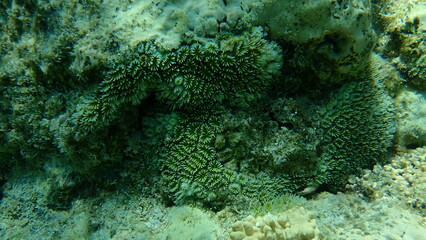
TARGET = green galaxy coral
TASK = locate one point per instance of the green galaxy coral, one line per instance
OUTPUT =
(221, 156)
(191, 168)
(218, 157)
(201, 78)
(232, 70)
(358, 125)
(211, 118)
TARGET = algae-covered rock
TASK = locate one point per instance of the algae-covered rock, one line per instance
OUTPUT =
(411, 111)
(403, 41)
(329, 39)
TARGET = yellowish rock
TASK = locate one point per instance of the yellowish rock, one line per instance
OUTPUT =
(295, 223)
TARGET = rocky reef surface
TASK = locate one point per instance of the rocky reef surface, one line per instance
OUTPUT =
(212, 119)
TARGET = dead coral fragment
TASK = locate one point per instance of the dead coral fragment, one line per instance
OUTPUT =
(295, 223)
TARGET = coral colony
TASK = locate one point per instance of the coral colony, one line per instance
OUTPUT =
(213, 104)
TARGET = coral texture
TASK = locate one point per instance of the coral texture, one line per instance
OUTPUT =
(191, 169)
(359, 124)
(233, 70)
(215, 113)
(331, 39)
(404, 44)
(350, 216)
(295, 223)
(402, 179)
(411, 112)
(163, 119)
